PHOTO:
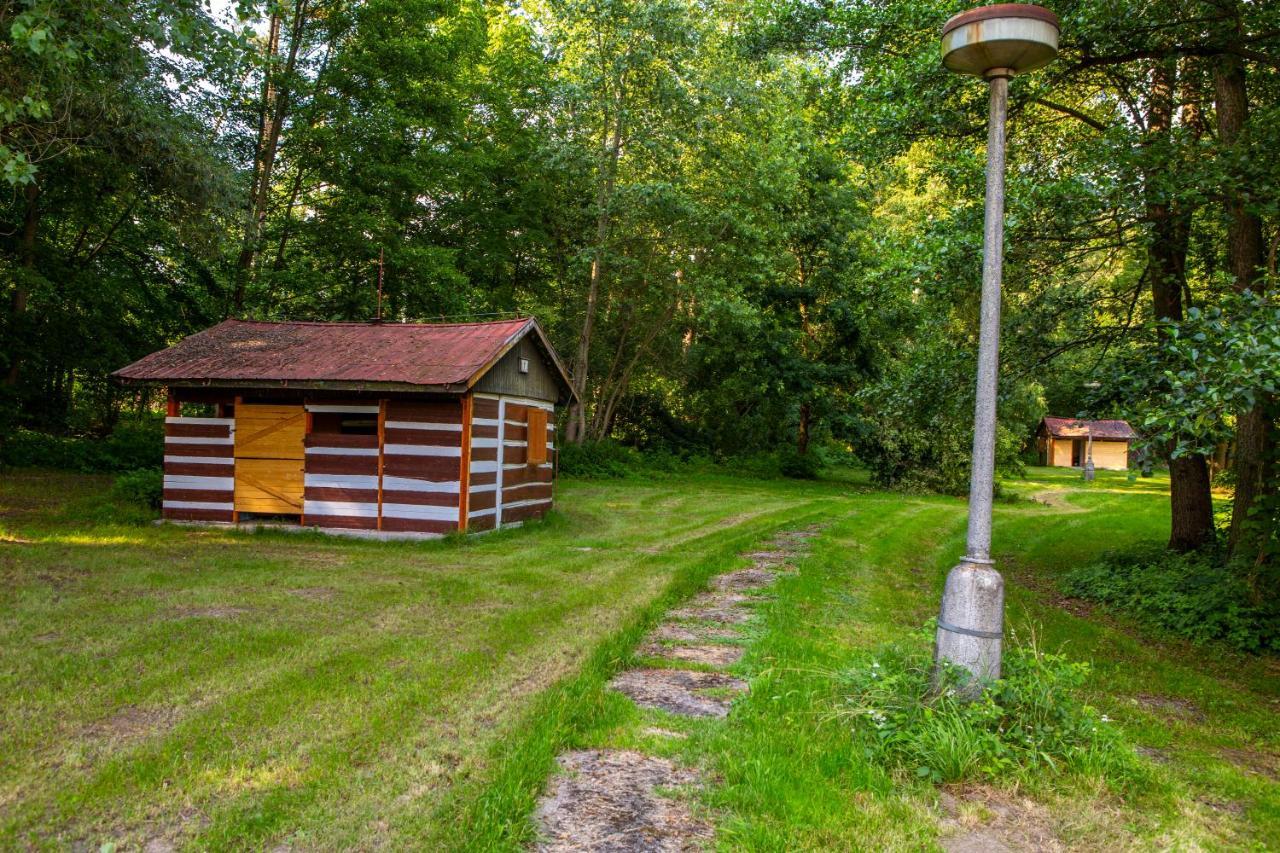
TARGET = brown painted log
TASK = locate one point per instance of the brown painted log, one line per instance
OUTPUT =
(200, 469)
(418, 525)
(429, 437)
(392, 496)
(198, 430)
(318, 463)
(222, 496)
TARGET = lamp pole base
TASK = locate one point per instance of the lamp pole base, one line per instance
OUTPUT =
(971, 624)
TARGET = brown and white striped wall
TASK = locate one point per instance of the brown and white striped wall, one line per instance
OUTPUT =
(504, 486)
(199, 468)
(341, 472)
(433, 467)
(422, 466)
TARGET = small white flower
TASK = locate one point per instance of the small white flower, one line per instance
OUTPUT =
(1105, 718)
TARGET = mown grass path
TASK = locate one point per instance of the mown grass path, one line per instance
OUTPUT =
(181, 687)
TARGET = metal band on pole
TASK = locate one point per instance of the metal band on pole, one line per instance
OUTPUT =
(970, 632)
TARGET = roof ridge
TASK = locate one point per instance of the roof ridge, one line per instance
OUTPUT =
(373, 325)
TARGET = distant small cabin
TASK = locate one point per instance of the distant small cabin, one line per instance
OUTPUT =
(1068, 443)
(404, 428)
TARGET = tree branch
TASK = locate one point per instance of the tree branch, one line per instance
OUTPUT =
(1074, 113)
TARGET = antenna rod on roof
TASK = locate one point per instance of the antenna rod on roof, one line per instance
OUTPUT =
(381, 250)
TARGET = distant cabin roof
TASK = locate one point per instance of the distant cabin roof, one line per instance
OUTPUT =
(1076, 428)
(441, 357)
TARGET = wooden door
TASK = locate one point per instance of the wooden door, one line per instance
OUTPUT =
(270, 459)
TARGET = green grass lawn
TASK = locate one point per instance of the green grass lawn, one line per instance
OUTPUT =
(214, 689)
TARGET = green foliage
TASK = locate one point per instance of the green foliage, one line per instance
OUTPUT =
(131, 446)
(597, 460)
(915, 428)
(141, 487)
(800, 466)
(1219, 361)
(1030, 722)
(1195, 595)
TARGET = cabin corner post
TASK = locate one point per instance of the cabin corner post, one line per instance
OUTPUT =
(502, 451)
(464, 468)
(172, 407)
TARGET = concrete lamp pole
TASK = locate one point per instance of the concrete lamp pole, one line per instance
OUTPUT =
(995, 43)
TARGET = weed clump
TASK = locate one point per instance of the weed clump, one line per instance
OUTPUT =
(1029, 722)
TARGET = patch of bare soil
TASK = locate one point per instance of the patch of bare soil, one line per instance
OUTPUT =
(1183, 709)
(1057, 499)
(1230, 807)
(1154, 753)
(1261, 763)
(769, 557)
(610, 800)
(132, 723)
(1048, 588)
(687, 632)
(679, 691)
(726, 608)
(799, 536)
(712, 654)
(984, 820)
(743, 579)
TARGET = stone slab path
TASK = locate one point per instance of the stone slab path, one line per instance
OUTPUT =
(620, 800)
(608, 800)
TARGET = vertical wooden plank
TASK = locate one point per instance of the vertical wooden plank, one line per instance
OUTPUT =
(464, 471)
(382, 443)
(172, 408)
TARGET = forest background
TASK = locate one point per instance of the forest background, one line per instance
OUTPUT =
(749, 226)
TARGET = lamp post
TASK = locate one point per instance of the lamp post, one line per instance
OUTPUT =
(995, 43)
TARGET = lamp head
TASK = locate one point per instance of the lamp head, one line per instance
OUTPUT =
(1001, 40)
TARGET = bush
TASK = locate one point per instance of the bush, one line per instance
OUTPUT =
(914, 427)
(1029, 722)
(800, 466)
(598, 459)
(143, 487)
(1195, 596)
(131, 446)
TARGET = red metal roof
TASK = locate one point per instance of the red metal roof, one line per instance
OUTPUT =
(445, 356)
(1075, 428)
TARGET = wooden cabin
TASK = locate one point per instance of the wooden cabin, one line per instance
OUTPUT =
(404, 428)
(1068, 443)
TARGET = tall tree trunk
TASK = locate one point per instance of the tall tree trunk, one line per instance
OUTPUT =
(22, 292)
(1245, 257)
(271, 116)
(576, 428)
(1190, 501)
(802, 434)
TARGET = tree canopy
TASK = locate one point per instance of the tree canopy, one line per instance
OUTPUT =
(747, 226)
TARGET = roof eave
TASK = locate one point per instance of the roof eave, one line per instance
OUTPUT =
(452, 388)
